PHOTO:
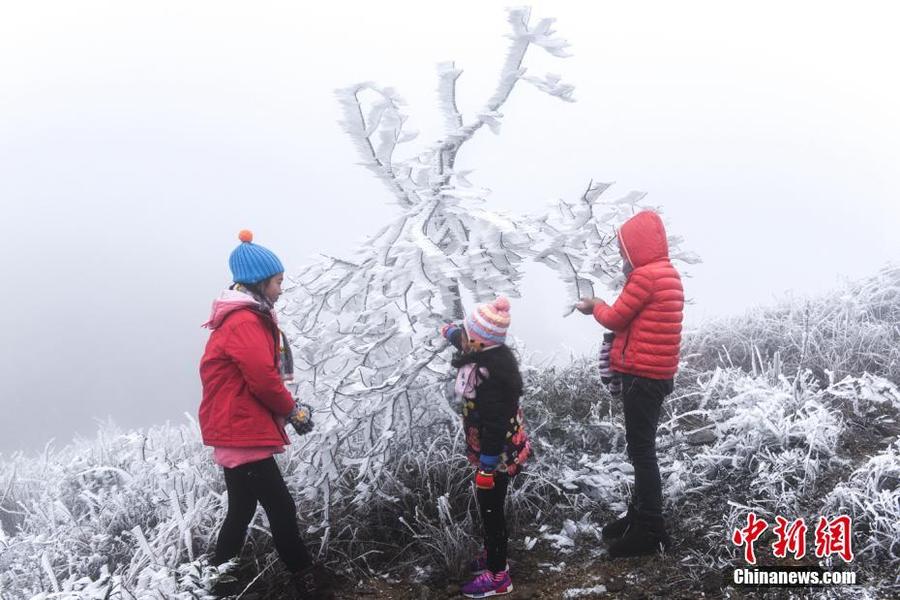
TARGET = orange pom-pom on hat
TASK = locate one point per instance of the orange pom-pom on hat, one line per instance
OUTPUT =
(245, 235)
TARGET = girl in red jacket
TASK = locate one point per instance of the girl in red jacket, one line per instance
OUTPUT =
(646, 319)
(245, 408)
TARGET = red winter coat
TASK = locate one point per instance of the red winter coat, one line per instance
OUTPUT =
(647, 315)
(242, 389)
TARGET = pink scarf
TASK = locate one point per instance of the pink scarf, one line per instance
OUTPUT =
(467, 379)
(228, 302)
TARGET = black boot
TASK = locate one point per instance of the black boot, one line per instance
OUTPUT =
(619, 527)
(645, 536)
(314, 583)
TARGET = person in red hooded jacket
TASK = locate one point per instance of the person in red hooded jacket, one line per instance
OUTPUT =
(646, 320)
(244, 410)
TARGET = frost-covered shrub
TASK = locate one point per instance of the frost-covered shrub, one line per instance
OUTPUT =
(774, 446)
(779, 436)
(866, 398)
(107, 509)
(849, 331)
(871, 495)
(572, 391)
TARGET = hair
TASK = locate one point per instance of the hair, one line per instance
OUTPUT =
(256, 289)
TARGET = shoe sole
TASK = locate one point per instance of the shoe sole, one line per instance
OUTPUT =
(500, 592)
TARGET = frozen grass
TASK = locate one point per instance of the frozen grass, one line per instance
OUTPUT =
(108, 513)
(852, 330)
(871, 495)
(782, 414)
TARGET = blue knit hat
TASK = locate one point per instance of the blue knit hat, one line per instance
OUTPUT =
(251, 263)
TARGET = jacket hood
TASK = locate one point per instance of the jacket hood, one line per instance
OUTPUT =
(643, 239)
(228, 302)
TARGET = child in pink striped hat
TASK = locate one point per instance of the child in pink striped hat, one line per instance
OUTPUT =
(486, 327)
(490, 384)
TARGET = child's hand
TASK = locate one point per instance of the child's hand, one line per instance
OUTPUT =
(585, 306)
(615, 384)
(453, 334)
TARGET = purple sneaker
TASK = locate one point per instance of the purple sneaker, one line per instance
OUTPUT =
(488, 584)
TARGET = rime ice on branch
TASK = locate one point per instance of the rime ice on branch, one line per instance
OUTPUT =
(365, 327)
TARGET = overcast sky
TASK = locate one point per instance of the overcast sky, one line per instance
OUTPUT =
(136, 139)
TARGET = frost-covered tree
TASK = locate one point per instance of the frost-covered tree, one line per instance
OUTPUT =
(365, 327)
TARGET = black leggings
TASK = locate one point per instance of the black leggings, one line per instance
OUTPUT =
(643, 398)
(491, 502)
(261, 481)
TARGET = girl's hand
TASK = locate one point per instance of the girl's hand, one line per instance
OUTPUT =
(585, 306)
(301, 419)
(453, 333)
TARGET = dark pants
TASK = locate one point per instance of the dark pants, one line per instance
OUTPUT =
(261, 481)
(491, 502)
(642, 399)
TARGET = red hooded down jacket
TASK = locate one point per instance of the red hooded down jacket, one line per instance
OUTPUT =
(647, 315)
(242, 389)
